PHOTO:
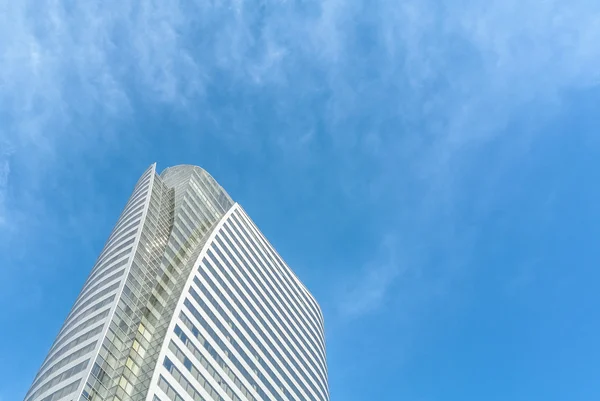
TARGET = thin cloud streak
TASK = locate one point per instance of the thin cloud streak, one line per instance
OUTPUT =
(374, 283)
(414, 97)
(481, 65)
(4, 172)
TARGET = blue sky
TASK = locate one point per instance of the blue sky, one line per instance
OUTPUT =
(429, 168)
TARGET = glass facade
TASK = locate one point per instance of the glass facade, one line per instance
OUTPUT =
(187, 301)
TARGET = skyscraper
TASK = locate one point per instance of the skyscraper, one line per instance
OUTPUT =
(187, 301)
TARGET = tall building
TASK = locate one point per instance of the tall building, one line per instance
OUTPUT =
(187, 301)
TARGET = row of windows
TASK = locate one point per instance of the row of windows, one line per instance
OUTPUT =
(288, 287)
(96, 392)
(203, 200)
(73, 343)
(50, 356)
(195, 212)
(107, 360)
(250, 242)
(129, 220)
(131, 214)
(187, 363)
(218, 378)
(297, 286)
(97, 295)
(64, 362)
(105, 272)
(199, 199)
(133, 206)
(182, 241)
(272, 350)
(221, 362)
(175, 175)
(77, 329)
(61, 377)
(128, 233)
(98, 371)
(82, 301)
(195, 215)
(254, 282)
(206, 199)
(63, 392)
(83, 326)
(142, 183)
(128, 313)
(145, 177)
(198, 184)
(82, 310)
(220, 196)
(120, 360)
(87, 292)
(235, 326)
(140, 189)
(186, 216)
(294, 286)
(168, 390)
(253, 316)
(185, 384)
(218, 338)
(315, 327)
(257, 284)
(118, 247)
(102, 373)
(185, 226)
(135, 284)
(110, 268)
(87, 312)
(283, 308)
(117, 275)
(106, 265)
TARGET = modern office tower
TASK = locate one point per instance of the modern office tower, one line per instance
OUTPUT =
(187, 301)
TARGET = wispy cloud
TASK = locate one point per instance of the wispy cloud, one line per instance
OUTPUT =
(374, 283)
(403, 94)
(453, 76)
(4, 172)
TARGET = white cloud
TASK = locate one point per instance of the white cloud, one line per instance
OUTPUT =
(448, 75)
(457, 74)
(167, 52)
